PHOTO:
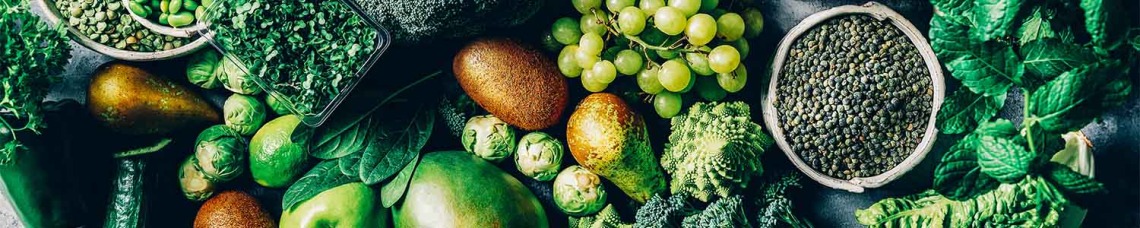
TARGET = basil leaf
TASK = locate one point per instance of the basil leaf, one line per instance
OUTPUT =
(958, 175)
(322, 177)
(1003, 159)
(394, 190)
(1047, 59)
(1073, 99)
(1104, 22)
(398, 142)
(988, 70)
(964, 110)
(1075, 186)
(350, 164)
(994, 18)
(949, 38)
(1037, 26)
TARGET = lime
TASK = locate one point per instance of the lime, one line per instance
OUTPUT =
(274, 160)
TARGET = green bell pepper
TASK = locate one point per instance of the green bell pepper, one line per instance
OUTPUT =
(349, 205)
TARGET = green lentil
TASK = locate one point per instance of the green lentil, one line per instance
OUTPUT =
(107, 23)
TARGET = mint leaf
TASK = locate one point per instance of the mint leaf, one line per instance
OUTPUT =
(1073, 99)
(1105, 23)
(994, 18)
(1003, 159)
(959, 9)
(1048, 58)
(1036, 26)
(949, 38)
(964, 110)
(322, 177)
(989, 69)
(1001, 128)
(958, 175)
(1075, 186)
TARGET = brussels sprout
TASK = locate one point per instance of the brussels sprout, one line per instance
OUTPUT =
(539, 156)
(578, 192)
(200, 69)
(488, 137)
(244, 114)
(235, 78)
(280, 107)
(220, 152)
(194, 185)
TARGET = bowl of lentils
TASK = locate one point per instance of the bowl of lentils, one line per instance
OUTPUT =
(853, 96)
(105, 26)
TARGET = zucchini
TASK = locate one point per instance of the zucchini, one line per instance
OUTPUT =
(126, 207)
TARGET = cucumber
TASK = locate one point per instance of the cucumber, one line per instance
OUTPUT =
(126, 207)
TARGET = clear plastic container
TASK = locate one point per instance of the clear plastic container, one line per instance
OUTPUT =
(320, 112)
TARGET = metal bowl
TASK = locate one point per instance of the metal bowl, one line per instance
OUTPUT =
(882, 13)
(183, 32)
(53, 16)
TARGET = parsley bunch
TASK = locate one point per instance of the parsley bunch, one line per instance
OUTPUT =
(33, 54)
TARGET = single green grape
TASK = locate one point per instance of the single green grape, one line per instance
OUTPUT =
(709, 90)
(670, 20)
(591, 43)
(566, 31)
(667, 104)
(585, 59)
(584, 6)
(650, 6)
(687, 7)
(628, 62)
(699, 63)
(674, 75)
(724, 59)
(604, 72)
(753, 22)
(730, 26)
(567, 64)
(611, 53)
(668, 54)
(631, 20)
(701, 29)
(647, 80)
(689, 87)
(618, 5)
(589, 23)
(707, 6)
(591, 85)
(734, 81)
(743, 47)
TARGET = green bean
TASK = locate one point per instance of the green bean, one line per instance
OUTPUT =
(181, 19)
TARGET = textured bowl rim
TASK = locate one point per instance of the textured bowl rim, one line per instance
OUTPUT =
(53, 16)
(184, 32)
(882, 13)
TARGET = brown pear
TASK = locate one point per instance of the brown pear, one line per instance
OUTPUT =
(130, 100)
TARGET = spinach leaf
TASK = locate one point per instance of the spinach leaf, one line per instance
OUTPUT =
(989, 69)
(958, 175)
(322, 177)
(1003, 159)
(1104, 22)
(1075, 186)
(398, 141)
(393, 191)
(338, 142)
(1046, 59)
(1073, 99)
(964, 110)
(350, 164)
(1037, 26)
(949, 39)
(994, 18)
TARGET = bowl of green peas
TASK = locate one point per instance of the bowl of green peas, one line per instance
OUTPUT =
(177, 18)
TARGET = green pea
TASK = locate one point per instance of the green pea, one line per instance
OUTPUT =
(181, 19)
(190, 5)
(162, 18)
(138, 9)
(175, 6)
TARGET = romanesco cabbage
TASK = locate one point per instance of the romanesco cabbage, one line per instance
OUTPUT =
(608, 217)
(714, 150)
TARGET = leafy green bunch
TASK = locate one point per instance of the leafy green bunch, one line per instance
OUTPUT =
(33, 53)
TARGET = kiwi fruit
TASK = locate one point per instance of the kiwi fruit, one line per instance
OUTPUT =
(233, 209)
(512, 81)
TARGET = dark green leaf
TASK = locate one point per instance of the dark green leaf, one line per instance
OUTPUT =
(399, 141)
(340, 142)
(994, 18)
(958, 175)
(393, 191)
(988, 70)
(1001, 128)
(1044, 143)
(1105, 22)
(959, 9)
(1075, 186)
(1073, 99)
(964, 110)
(322, 177)
(1037, 26)
(1003, 159)
(350, 164)
(1049, 58)
(949, 38)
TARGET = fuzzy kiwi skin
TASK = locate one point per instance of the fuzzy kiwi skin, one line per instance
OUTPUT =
(130, 100)
(608, 138)
(513, 81)
(233, 209)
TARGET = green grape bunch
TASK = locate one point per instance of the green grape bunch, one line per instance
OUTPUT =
(670, 47)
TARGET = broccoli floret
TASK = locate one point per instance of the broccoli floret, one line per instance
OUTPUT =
(662, 212)
(608, 217)
(725, 212)
(714, 150)
(422, 21)
(455, 111)
(776, 208)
